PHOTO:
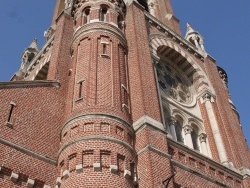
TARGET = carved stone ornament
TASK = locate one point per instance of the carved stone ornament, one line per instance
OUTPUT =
(174, 85)
(187, 129)
(172, 121)
(202, 137)
(207, 97)
(68, 3)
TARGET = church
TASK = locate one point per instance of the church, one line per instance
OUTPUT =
(118, 97)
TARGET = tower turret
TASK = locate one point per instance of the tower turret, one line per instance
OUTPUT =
(97, 140)
(116, 97)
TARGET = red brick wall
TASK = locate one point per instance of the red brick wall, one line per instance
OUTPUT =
(232, 136)
(164, 8)
(144, 96)
(33, 117)
(193, 170)
(55, 129)
(89, 177)
(153, 164)
(27, 166)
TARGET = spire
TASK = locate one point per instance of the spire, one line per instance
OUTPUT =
(194, 37)
(190, 29)
(33, 45)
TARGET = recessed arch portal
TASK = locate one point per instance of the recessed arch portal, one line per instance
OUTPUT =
(163, 48)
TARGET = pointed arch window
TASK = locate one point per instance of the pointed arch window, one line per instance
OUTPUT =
(178, 130)
(167, 119)
(194, 136)
(120, 21)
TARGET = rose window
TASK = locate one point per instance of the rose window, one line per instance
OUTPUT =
(173, 83)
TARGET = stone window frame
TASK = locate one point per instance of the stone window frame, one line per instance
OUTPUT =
(188, 125)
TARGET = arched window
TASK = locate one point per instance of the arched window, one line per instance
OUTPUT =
(86, 16)
(178, 131)
(103, 14)
(120, 21)
(167, 119)
(194, 136)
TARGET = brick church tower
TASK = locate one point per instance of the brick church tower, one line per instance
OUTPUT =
(117, 97)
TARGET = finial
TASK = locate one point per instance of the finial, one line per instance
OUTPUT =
(190, 30)
(188, 26)
(33, 44)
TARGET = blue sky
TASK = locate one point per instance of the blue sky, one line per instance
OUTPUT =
(224, 25)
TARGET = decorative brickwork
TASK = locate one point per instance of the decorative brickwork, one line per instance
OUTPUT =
(116, 97)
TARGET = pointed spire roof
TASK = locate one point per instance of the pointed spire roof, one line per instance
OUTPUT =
(33, 45)
(29, 53)
(190, 30)
(194, 37)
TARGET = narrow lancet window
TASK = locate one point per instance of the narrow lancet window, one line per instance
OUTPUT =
(12, 105)
(103, 14)
(79, 94)
(86, 16)
(80, 90)
(119, 22)
(104, 49)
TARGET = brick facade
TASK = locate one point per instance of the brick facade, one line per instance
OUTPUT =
(118, 98)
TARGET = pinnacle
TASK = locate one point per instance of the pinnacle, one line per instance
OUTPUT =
(33, 44)
(189, 29)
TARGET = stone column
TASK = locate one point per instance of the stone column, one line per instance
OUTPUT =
(207, 98)
(188, 138)
(172, 128)
(202, 44)
(203, 143)
(195, 39)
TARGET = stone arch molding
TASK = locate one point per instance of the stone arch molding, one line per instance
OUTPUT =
(186, 63)
(198, 124)
(177, 112)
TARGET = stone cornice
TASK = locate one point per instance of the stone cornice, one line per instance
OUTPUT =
(197, 173)
(211, 58)
(182, 147)
(90, 27)
(35, 83)
(178, 106)
(151, 148)
(88, 116)
(96, 137)
(147, 120)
